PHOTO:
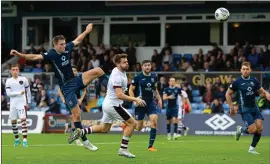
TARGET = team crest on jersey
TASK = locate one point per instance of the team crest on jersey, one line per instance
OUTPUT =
(153, 80)
(149, 85)
(21, 82)
(252, 83)
(63, 58)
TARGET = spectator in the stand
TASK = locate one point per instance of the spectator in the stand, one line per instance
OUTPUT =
(167, 57)
(228, 66)
(205, 58)
(34, 87)
(90, 65)
(222, 64)
(212, 63)
(187, 67)
(54, 107)
(196, 63)
(138, 67)
(156, 58)
(161, 85)
(240, 55)
(38, 67)
(200, 56)
(166, 67)
(236, 48)
(206, 67)
(235, 63)
(131, 52)
(166, 47)
(43, 101)
(217, 83)
(208, 95)
(41, 49)
(207, 109)
(247, 49)
(47, 68)
(100, 52)
(228, 82)
(219, 61)
(220, 94)
(84, 66)
(118, 50)
(32, 49)
(265, 58)
(107, 65)
(217, 107)
(253, 58)
(38, 93)
(95, 62)
(86, 42)
(4, 106)
(215, 49)
(154, 67)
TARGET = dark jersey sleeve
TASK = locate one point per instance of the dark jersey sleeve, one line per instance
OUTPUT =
(257, 84)
(69, 46)
(233, 86)
(135, 80)
(48, 55)
(156, 82)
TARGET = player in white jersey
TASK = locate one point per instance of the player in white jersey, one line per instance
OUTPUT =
(181, 113)
(112, 106)
(18, 89)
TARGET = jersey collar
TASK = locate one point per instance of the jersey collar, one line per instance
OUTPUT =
(245, 78)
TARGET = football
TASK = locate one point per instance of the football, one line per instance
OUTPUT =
(222, 14)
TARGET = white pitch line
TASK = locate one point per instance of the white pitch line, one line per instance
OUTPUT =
(116, 143)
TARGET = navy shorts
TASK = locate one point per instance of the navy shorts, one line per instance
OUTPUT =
(151, 108)
(250, 117)
(170, 113)
(69, 91)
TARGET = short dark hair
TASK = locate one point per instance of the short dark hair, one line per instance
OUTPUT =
(14, 65)
(247, 64)
(57, 38)
(146, 61)
(117, 58)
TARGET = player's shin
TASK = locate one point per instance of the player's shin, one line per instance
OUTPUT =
(15, 130)
(78, 125)
(255, 140)
(24, 130)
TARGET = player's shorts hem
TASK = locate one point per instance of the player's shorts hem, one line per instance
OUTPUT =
(122, 112)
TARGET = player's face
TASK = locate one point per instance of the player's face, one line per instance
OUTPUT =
(75, 72)
(245, 70)
(60, 46)
(146, 67)
(124, 64)
(172, 82)
(15, 71)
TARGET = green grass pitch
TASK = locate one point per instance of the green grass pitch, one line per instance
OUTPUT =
(53, 149)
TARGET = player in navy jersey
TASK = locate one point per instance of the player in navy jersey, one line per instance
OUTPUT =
(171, 96)
(144, 85)
(245, 88)
(59, 57)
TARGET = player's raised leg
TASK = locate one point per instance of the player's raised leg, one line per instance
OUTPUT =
(92, 74)
(76, 117)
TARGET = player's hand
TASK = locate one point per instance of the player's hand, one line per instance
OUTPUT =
(14, 52)
(233, 110)
(22, 92)
(139, 102)
(89, 27)
(171, 97)
(268, 97)
(160, 104)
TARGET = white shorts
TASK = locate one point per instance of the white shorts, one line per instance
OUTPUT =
(114, 113)
(181, 114)
(17, 112)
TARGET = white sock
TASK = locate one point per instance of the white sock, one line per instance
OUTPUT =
(174, 134)
(85, 142)
(251, 148)
(24, 140)
(17, 139)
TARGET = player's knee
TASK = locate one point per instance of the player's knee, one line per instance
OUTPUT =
(259, 129)
(252, 129)
(98, 71)
(154, 124)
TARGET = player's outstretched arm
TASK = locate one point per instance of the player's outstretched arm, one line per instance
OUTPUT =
(82, 96)
(26, 56)
(229, 101)
(80, 38)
